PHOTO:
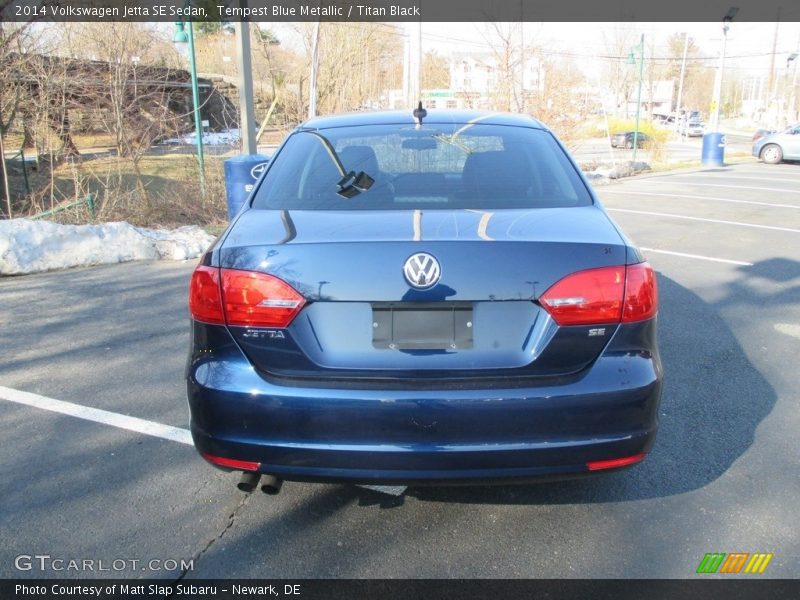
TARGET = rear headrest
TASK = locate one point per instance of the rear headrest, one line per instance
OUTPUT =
(359, 158)
(500, 171)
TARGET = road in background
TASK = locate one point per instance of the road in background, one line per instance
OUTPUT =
(724, 475)
(675, 150)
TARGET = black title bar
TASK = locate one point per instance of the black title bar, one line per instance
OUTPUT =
(398, 589)
(398, 10)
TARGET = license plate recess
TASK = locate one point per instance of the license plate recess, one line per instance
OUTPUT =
(422, 326)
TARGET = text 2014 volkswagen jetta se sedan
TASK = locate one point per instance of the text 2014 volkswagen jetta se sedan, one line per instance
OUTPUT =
(438, 298)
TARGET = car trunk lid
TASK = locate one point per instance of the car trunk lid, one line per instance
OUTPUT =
(364, 321)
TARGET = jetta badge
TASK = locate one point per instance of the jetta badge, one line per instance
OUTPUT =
(422, 271)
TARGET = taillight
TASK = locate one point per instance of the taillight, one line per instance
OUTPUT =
(605, 295)
(591, 297)
(246, 298)
(205, 302)
(641, 293)
(258, 300)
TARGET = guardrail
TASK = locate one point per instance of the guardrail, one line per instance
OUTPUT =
(88, 200)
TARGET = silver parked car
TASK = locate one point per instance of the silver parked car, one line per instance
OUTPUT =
(779, 146)
(693, 129)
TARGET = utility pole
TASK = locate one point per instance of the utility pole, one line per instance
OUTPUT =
(794, 58)
(246, 108)
(406, 69)
(680, 85)
(713, 152)
(419, 60)
(788, 93)
(726, 21)
(312, 84)
(632, 60)
(415, 66)
(771, 91)
(521, 103)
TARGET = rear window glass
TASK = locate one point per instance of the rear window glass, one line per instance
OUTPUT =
(448, 166)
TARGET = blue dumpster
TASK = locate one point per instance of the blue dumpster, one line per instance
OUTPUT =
(713, 149)
(241, 174)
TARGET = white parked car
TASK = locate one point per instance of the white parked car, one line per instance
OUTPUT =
(693, 128)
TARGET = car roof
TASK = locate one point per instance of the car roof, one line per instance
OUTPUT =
(399, 117)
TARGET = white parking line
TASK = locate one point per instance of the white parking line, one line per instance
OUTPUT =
(634, 193)
(660, 214)
(727, 176)
(737, 187)
(699, 257)
(151, 428)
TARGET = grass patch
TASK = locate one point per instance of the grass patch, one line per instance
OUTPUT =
(159, 190)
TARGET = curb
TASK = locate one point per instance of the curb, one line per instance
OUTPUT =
(682, 170)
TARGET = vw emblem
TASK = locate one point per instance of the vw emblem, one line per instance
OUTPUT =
(257, 170)
(422, 271)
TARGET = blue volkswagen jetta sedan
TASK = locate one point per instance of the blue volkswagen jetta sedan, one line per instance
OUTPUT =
(422, 298)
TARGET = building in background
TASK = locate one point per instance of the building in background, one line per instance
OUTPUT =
(481, 80)
(657, 99)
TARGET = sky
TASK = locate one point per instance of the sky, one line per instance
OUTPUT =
(749, 45)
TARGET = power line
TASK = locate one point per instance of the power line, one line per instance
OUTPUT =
(443, 38)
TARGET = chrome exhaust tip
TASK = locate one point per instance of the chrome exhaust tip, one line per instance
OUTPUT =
(249, 481)
(272, 485)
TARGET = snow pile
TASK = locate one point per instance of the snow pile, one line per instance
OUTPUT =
(226, 137)
(32, 246)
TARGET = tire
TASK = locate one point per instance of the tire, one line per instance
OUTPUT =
(771, 154)
(629, 145)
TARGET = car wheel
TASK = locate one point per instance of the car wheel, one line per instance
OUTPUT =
(772, 154)
(629, 145)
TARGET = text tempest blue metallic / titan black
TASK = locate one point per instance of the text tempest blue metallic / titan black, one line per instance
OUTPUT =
(423, 300)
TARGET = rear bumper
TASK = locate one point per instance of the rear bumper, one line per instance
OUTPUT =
(408, 436)
(420, 465)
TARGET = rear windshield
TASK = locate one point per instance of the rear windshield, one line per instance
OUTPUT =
(448, 166)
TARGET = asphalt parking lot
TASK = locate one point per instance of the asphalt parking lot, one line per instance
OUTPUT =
(724, 475)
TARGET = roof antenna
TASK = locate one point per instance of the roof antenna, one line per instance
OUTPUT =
(420, 113)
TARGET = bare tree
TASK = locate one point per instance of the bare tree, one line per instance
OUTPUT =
(14, 42)
(505, 42)
(698, 78)
(127, 98)
(135, 97)
(269, 45)
(620, 75)
(357, 62)
(561, 101)
(273, 63)
(435, 71)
